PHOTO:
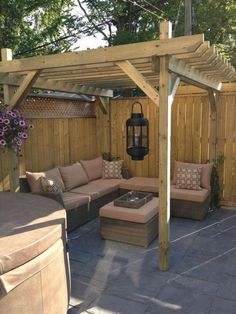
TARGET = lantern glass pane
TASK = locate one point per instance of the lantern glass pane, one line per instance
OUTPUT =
(144, 136)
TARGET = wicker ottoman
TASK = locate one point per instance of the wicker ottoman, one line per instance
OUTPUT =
(129, 225)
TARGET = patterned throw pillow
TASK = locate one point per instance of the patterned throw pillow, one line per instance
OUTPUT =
(112, 169)
(188, 178)
(48, 185)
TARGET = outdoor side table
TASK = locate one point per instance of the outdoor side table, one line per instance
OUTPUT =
(130, 225)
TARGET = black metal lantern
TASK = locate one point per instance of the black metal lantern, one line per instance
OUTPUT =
(137, 135)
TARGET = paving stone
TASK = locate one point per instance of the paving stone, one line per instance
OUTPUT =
(220, 306)
(227, 288)
(193, 284)
(107, 304)
(176, 300)
(83, 292)
(137, 286)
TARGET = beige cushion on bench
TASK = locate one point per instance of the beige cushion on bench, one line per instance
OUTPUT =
(188, 195)
(72, 200)
(140, 215)
(96, 189)
(141, 184)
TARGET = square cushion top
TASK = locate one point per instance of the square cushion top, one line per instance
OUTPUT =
(140, 215)
(93, 168)
(189, 195)
(73, 176)
(206, 172)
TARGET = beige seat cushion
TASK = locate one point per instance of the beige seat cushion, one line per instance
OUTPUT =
(73, 200)
(109, 182)
(94, 189)
(189, 195)
(141, 184)
(140, 215)
(206, 172)
(93, 168)
(73, 176)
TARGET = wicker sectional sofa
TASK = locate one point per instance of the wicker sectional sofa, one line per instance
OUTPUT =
(84, 189)
(184, 203)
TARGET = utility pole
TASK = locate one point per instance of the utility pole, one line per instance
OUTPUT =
(188, 17)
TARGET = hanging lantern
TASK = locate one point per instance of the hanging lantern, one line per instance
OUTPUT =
(137, 135)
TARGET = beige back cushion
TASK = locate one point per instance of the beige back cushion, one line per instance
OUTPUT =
(93, 168)
(206, 172)
(34, 181)
(73, 176)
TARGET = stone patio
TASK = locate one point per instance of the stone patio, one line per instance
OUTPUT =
(111, 277)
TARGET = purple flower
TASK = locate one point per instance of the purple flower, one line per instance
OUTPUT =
(31, 126)
(5, 128)
(13, 115)
(22, 123)
(6, 121)
(1, 133)
(16, 122)
(3, 142)
(24, 136)
(1, 120)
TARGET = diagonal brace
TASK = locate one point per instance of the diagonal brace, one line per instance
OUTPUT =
(139, 80)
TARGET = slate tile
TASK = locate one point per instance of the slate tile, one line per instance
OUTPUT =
(176, 300)
(107, 304)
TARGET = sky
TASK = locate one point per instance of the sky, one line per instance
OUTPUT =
(87, 42)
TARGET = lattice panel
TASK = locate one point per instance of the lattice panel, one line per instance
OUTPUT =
(48, 107)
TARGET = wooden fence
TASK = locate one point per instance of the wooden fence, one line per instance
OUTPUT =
(56, 142)
(191, 132)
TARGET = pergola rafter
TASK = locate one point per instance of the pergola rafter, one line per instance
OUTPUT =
(147, 65)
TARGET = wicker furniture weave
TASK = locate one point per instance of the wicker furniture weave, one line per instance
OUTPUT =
(130, 230)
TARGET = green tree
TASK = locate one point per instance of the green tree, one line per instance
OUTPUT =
(128, 21)
(27, 24)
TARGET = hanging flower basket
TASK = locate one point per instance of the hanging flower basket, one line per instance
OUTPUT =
(13, 130)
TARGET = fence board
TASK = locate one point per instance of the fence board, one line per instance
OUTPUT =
(56, 142)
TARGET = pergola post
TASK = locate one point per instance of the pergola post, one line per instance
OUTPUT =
(164, 152)
(8, 92)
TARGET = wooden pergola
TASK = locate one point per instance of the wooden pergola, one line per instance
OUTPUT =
(156, 67)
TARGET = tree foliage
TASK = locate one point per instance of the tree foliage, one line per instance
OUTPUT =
(26, 24)
(127, 21)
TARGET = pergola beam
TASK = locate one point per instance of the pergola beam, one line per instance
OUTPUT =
(140, 80)
(57, 86)
(176, 45)
(181, 69)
